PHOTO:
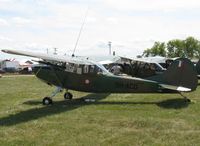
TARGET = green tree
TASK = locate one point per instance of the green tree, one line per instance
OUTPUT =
(175, 48)
(157, 49)
(147, 52)
(192, 47)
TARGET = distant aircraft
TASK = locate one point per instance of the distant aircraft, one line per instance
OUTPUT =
(89, 76)
(149, 66)
(137, 67)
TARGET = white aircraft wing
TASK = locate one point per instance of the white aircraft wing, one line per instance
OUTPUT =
(103, 59)
(47, 57)
(57, 59)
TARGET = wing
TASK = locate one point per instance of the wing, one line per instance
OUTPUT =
(47, 57)
(56, 59)
(103, 59)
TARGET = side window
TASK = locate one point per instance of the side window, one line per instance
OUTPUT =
(99, 71)
(86, 69)
(152, 67)
(79, 69)
(141, 66)
(67, 67)
(146, 66)
(92, 67)
(157, 68)
(70, 67)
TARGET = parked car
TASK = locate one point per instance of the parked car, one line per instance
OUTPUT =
(2, 71)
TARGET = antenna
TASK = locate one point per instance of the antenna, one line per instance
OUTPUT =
(55, 51)
(109, 45)
(80, 32)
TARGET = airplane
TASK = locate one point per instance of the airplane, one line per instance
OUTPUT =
(137, 67)
(72, 73)
(148, 66)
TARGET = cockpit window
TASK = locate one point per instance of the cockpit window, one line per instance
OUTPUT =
(84, 69)
(92, 69)
(69, 67)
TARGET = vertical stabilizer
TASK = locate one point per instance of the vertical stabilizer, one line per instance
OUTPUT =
(180, 73)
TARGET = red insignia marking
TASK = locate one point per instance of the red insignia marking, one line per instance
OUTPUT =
(87, 81)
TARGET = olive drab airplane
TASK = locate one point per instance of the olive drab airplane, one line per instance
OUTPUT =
(73, 73)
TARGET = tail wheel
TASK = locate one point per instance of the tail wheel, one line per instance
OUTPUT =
(47, 101)
(68, 96)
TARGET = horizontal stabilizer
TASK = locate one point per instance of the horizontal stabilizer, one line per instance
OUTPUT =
(176, 88)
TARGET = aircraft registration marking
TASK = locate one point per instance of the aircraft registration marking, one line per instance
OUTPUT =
(129, 85)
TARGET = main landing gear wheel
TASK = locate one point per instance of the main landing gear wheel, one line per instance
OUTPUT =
(187, 100)
(68, 96)
(47, 101)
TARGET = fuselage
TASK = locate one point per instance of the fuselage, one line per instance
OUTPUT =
(96, 82)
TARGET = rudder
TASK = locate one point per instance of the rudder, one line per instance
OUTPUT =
(180, 73)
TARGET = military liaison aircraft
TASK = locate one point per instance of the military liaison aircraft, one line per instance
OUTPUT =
(89, 76)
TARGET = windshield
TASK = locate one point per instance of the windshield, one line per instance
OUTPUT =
(86, 68)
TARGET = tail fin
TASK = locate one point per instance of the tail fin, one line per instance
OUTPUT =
(181, 73)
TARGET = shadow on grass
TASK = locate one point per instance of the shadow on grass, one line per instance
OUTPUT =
(177, 103)
(63, 106)
(168, 104)
(57, 107)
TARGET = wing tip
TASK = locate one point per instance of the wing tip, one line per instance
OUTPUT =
(3, 50)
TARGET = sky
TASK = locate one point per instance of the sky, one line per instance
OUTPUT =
(131, 25)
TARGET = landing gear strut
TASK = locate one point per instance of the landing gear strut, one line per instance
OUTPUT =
(185, 98)
(48, 100)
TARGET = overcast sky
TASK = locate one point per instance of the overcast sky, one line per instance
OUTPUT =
(131, 25)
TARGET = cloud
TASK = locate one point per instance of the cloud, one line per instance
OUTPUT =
(3, 22)
(7, 39)
(146, 5)
(131, 25)
(19, 21)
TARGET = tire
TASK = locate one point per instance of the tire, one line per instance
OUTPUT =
(47, 101)
(68, 96)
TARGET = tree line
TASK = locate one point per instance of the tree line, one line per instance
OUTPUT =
(190, 48)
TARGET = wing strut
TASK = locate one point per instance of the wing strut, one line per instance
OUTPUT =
(185, 97)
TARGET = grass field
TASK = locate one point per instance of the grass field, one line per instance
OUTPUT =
(113, 119)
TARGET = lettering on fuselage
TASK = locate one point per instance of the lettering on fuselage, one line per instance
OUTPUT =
(127, 85)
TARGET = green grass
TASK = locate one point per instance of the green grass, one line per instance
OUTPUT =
(115, 119)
